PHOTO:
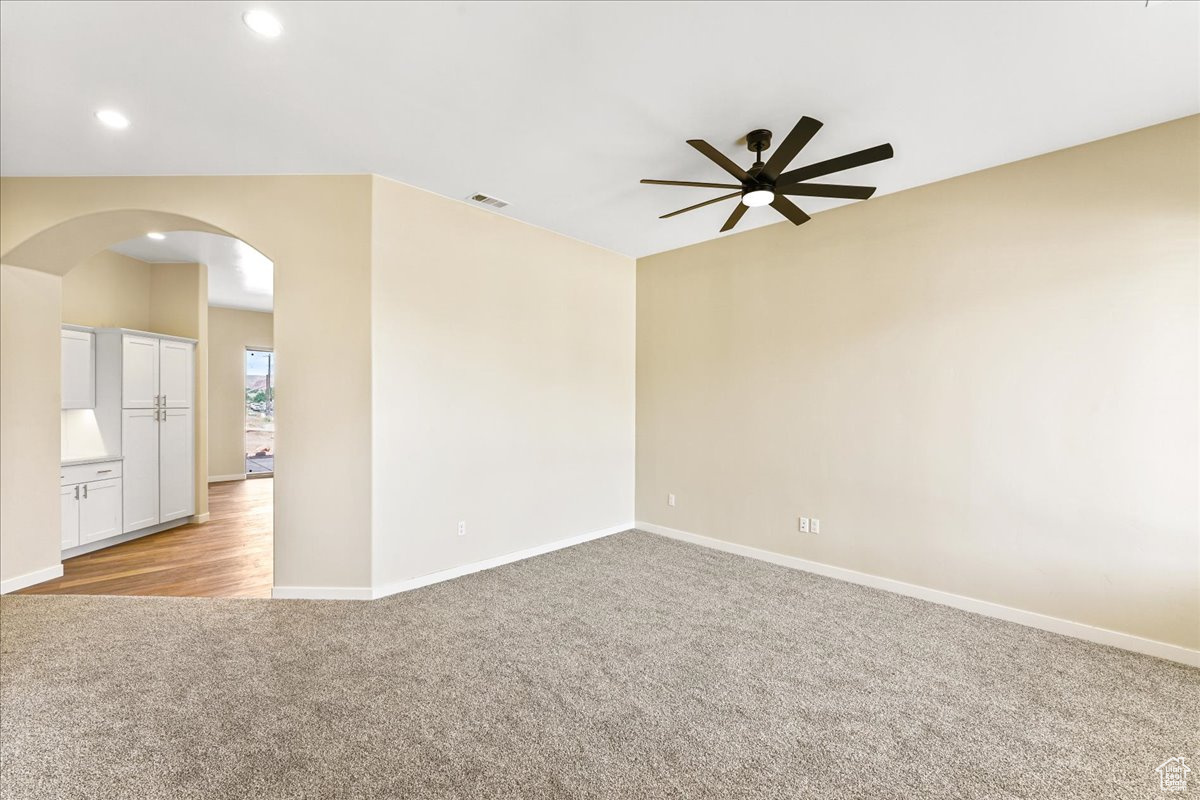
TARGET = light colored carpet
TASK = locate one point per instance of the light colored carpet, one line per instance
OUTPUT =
(629, 667)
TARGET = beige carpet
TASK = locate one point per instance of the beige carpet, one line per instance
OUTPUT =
(630, 667)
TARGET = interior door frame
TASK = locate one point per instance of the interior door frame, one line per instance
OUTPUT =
(253, 475)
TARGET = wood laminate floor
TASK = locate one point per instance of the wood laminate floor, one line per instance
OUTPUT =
(228, 556)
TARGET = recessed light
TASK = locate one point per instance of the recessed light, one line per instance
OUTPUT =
(112, 118)
(263, 23)
(158, 237)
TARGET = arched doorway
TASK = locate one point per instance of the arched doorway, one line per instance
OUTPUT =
(316, 229)
(144, 527)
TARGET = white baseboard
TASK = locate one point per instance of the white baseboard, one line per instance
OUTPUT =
(321, 592)
(92, 547)
(30, 578)
(1079, 630)
(224, 478)
(200, 519)
(508, 558)
(366, 593)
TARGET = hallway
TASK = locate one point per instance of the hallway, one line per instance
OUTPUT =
(228, 556)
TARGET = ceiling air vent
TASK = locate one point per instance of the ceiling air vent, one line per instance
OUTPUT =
(484, 199)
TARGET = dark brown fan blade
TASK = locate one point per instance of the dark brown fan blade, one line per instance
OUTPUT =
(701, 205)
(719, 158)
(827, 190)
(693, 183)
(790, 210)
(868, 156)
(734, 218)
(804, 131)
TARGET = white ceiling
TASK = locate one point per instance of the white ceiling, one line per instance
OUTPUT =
(238, 275)
(560, 108)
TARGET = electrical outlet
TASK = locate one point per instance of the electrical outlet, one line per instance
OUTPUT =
(815, 525)
(804, 524)
(670, 499)
(462, 528)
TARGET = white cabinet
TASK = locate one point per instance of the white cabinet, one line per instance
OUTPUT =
(69, 500)
(175, 373)
(78, 369)
(176, 467)
(139, 371)
(139, 446)
(90, 502)
(145, 383)
(100, 510)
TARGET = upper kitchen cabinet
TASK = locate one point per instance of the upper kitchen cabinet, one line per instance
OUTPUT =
(177, 369)
(139, 371)
(78, 368)
(156, 371)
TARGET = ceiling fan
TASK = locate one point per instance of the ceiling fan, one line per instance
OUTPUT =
(768, 184)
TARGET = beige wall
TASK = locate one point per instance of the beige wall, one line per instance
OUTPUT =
(986, 386)
(108, 290)
(317, 231)
(503, 381)
(30, 303)
(230, 332)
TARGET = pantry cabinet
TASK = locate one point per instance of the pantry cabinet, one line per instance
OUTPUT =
(157, 426)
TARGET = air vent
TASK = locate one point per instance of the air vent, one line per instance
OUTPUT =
(484, 199)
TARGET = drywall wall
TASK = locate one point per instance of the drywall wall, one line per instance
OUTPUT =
(108, 290)
(317, 231)
(503, 384)
(30, 347)
(230, 332)
(985, 386)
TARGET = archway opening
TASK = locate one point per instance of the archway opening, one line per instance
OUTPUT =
(159, 312)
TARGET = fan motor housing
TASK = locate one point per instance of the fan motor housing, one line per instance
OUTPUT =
(758, 140)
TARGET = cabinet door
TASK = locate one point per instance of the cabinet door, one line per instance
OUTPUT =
(69, 500)
(100, 510)
(176, 468)
(139, 445)
(139, 371)
(176, 373)
(78, 369)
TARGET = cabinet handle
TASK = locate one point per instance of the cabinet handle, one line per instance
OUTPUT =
(85, 491)
(156, 401)
(102, 471)
(164, 401)
(76, 492)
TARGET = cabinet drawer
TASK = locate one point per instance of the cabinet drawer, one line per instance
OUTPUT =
(81, 473)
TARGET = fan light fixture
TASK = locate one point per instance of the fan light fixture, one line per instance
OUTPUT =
(758, 197)
(768, 184)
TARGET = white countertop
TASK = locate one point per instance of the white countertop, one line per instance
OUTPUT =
(71, 462)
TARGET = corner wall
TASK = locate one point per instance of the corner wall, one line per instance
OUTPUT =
(985, 386)
(109, 290)
(503, 368)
